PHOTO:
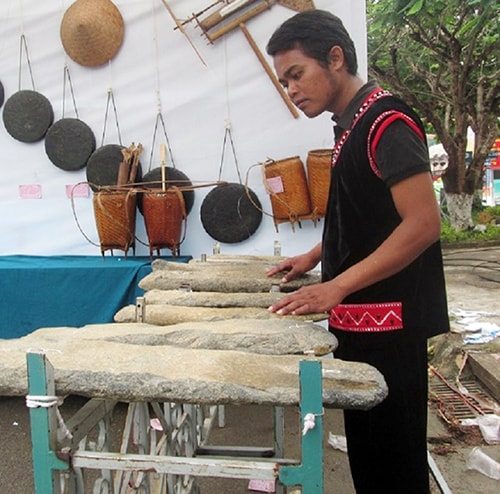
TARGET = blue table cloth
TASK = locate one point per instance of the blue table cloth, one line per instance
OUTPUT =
(47, 291)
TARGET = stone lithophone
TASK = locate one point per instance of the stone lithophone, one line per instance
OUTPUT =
(222, 287)
(246, 277)
(131, 362)
(161, 308)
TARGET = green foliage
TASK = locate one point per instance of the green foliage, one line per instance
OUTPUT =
(442, 57)
(495, 211)
(492, 233)
(426, 41)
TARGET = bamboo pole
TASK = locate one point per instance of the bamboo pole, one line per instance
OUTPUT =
(269, 71)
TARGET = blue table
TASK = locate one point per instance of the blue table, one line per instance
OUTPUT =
(46, 291)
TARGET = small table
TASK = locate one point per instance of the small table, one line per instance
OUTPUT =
(43, 291)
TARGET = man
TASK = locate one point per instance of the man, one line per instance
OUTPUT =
(382, 273)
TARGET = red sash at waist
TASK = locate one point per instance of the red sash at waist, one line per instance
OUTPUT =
(387, 316)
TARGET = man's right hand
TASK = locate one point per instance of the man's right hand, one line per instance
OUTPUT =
(297, 265)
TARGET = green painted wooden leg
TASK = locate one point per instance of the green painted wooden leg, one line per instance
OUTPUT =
(43, 425)
(309, 474)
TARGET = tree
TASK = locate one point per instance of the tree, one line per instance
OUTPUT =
(443, 58)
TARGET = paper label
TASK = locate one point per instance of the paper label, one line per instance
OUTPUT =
(262, 485)
(33, 191)
(275, 185)
(78, 190)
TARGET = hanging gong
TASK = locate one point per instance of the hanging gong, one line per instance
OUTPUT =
(175, 178)
(27, 115)
(228, 215)
(69, 143)
(103, 166)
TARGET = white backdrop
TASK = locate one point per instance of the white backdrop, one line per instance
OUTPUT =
(156, 70)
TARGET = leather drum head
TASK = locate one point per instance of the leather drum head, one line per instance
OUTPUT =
(27, 115)
(69, 143)
(228, 215)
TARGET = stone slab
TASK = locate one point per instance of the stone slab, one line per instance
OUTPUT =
(279, 337)
(97, 361)
(164, 314)
(268, 261)
(212, 299)
(486, 367)
(219, 277)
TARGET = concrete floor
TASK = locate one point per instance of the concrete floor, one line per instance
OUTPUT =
(250, 426)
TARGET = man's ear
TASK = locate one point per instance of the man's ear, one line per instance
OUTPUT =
(336, 57)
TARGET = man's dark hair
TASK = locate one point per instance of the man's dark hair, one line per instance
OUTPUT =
(314, 32)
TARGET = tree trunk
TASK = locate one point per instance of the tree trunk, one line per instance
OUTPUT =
(460, 210)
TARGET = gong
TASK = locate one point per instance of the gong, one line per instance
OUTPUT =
(103, 165)
(228, 215)
(27, 115)
(69, 143)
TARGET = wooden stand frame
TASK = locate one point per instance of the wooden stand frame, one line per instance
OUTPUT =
(61, 452)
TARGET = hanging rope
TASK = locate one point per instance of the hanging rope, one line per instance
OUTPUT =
(111, 101)
(227, 133)
(160, 120)
(67, 79)
(159, 116)
(23, 44)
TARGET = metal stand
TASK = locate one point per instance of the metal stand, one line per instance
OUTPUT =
(162, 455)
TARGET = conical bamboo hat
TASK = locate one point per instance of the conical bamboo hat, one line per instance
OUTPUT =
(92, 31)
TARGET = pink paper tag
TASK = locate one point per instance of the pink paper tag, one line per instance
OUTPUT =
(262, 485)
(275, 184)
(156, 425)
(30, 191)
(78, 190)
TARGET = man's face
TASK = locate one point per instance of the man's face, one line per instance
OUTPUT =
(311, 86)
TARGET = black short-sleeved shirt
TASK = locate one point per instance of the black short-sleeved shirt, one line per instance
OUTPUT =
(399, 143)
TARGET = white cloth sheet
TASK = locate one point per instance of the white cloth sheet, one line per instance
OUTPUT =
(156, 70)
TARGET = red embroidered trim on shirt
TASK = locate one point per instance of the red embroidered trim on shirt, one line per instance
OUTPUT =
(386, 118)
(371, 98)
(367, 317)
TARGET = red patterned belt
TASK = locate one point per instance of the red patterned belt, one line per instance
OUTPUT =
(361, 318)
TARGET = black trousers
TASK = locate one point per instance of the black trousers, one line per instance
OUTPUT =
(387, 445)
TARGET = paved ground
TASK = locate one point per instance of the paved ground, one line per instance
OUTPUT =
(473, 285)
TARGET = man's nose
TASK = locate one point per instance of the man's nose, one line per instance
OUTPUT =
(292, 89)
